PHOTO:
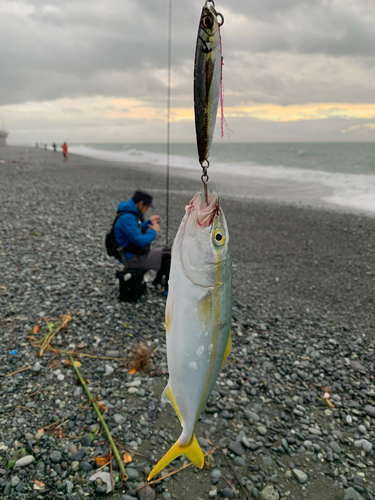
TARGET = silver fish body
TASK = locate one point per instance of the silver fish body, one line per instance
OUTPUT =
(207, 79)
(198, 316)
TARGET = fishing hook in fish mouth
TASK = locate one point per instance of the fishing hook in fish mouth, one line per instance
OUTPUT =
(204, 179)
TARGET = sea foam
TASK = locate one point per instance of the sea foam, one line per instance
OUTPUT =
(352, 191)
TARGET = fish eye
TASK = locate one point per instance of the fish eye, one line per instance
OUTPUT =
(219, 237)
(208, 22)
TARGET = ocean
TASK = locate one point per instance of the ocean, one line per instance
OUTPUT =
(322, 174)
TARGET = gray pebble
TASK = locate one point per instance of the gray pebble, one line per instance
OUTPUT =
(370, 410)
(119, 419)
(75, 466)
(236, 448)
(79, 455)
(366, 446)
(227, 414)
(262, 430)
(215, 473)
(301, 476)
(86, 441)
(20, 487)
(227, 493)
(335, 447)
(352, 494)
(239, 461)
(85, 466)
(24, 461)
(251, 415)
(269, 493)
(55, 456)
(133, 473)
(203, 442)
(15, 480)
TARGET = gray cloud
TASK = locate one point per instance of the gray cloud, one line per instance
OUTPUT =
(275, 51)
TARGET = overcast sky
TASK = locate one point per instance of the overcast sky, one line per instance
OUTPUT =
(96, 71)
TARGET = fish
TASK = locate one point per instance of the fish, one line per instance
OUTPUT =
(207, 78)
(197, 318)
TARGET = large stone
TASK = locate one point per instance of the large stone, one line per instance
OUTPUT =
(55, 456)
(301, 476)
(366, 446)
(269, 493)
(236, 448)
(227, 493)
(119, 419)
(370, 410)
(15, 480)
(251, 415)
(132, 473)
(24, 461)
(335, 447)
(352, 494)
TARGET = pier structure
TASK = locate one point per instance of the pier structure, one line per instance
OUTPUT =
(3, 136)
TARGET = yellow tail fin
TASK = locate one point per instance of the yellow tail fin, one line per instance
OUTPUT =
(191, 450)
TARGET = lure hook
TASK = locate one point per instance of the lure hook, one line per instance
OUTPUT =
(205, 178)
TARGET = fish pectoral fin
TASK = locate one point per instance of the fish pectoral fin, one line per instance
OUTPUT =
(191, 450)
(227, 349)
(167, 396)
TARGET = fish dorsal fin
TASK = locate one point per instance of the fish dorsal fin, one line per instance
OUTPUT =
(227, 349)
(167, 396)
(205, 311)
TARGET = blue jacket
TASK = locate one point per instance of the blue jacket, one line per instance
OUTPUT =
(127, 229)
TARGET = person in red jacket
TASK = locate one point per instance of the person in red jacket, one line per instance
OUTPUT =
(65, 151)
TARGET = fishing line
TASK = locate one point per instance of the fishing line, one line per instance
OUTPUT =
(168, 114)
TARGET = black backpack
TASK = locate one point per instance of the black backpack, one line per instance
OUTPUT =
(112, 245)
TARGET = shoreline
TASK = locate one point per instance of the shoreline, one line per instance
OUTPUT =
(303, 319)
(316, 193)
(309, 188)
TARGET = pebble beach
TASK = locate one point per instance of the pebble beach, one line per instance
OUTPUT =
(292, 415)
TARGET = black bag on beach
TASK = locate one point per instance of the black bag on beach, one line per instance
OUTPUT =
(132, 284)
(112, 245)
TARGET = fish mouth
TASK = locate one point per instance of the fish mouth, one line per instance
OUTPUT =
(206, 213)
(194, 240)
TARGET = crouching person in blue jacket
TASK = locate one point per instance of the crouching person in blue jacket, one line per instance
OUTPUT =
(135, 235)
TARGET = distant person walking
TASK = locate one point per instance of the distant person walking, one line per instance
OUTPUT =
(54, 147)
(65, 151)
(45, 147)
(36, 144)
